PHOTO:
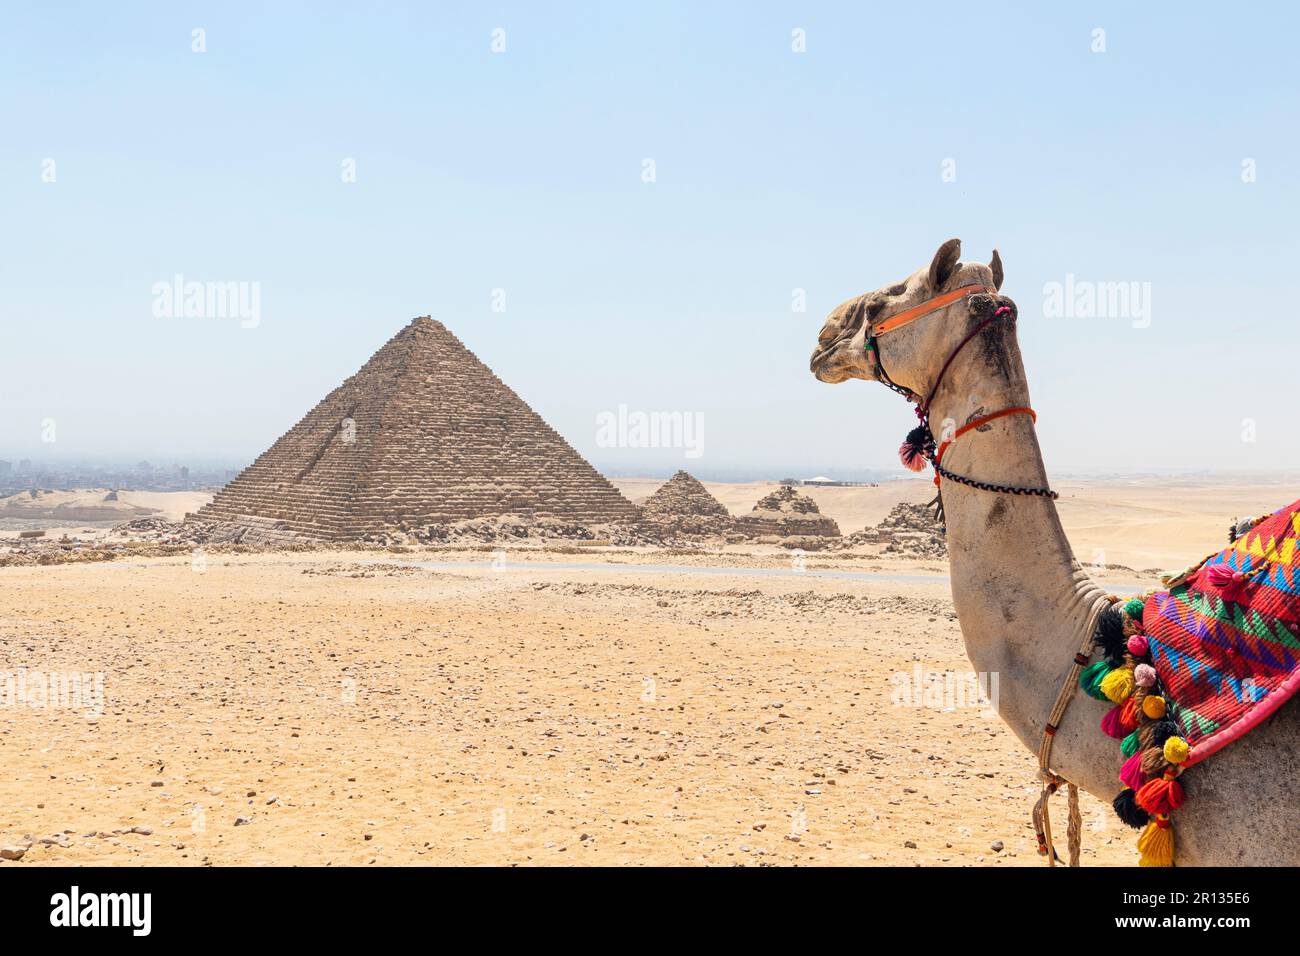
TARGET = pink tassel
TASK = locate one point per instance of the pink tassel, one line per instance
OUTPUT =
(1131, 773)
(1137, 645)
(1145, 675)
(1111, 724)
(911, 457)
(1222, 576)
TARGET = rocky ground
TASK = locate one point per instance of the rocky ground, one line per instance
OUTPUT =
(443, 706)
(518, 698)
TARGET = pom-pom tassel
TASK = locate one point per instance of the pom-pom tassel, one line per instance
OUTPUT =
(1222, 576)
(1131, 773)
(1111, 724)
(1118, 684)
(1130, 745)
(1153, 762)
(1126, 809)
(1128, 716)
(1109, 635)
(1161, 731)
(1091, 678)
(912, 452)
(1156, 844)
(1177, 750)
(1161, 796)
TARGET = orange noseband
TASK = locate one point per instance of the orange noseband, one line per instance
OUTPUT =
(926, 307)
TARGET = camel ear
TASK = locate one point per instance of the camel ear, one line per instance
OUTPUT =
(995, 265)
(945, 261)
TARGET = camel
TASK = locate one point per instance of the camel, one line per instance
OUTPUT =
(1022, 599)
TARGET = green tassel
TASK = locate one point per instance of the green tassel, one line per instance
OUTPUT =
(1134, 608)
(1091, 678)
(1130, 744)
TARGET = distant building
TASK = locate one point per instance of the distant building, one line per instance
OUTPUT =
(821, 481)
(25, 466)
(6, 468)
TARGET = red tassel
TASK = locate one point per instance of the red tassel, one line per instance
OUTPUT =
(1128, 716)
(1161, 796)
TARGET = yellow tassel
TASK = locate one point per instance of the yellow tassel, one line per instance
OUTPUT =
(1176, 750)
(1154, 706)
(1118, 684)
(1156, 844)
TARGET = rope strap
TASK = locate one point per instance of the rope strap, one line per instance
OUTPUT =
(981, 421)
(1051, 781)
(942, 472)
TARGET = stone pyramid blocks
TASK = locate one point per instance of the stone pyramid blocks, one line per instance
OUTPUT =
(423, 434)
(683, 506)
(786, 513)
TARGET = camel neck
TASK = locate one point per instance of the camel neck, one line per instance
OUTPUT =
(1022, 599)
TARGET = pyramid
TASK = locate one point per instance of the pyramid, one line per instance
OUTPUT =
(682, 507)
(787, 513)
(681, 496)
(424, 434)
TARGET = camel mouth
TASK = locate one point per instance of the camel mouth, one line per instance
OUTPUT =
(826, 370)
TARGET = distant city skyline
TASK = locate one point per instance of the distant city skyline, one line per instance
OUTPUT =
(216, 215)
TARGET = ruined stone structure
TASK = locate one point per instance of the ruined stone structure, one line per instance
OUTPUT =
(786, 513)
(684, 506)
(424, 434)
(908, 530)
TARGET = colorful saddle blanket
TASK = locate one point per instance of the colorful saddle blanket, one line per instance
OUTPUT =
(1226, 640)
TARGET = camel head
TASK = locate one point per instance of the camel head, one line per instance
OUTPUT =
(912, 353)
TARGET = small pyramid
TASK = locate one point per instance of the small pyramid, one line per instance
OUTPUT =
(423, 434)
(787, 513)
(682, 496)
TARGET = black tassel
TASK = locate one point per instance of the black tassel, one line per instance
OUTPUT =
(1109, 636)
(1127, 809)
(1162, 730)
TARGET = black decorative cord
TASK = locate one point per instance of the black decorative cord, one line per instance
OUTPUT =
(989, 486)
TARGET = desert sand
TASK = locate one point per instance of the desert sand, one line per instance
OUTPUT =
(542, 707)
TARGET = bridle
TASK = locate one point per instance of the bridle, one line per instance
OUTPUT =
(920, 446)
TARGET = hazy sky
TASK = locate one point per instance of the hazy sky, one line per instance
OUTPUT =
(834, 170)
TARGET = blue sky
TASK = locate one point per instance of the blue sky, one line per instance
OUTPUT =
(522, 171)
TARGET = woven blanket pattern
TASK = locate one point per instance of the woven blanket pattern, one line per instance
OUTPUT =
(1226, 642)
